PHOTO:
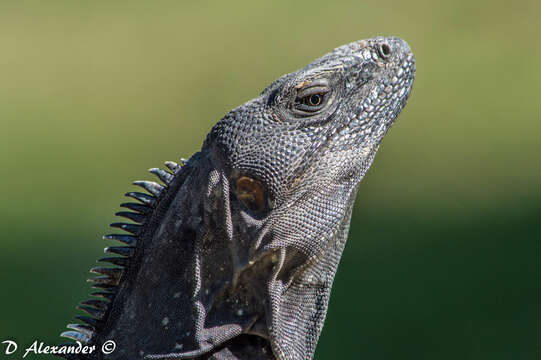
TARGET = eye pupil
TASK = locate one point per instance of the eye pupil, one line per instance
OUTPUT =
(315, 99)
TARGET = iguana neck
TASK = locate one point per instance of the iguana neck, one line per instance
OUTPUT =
(169, 297)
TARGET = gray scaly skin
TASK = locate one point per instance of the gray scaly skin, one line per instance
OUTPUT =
(235, 255)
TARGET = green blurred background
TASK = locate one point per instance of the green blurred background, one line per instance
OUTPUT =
(442, 258)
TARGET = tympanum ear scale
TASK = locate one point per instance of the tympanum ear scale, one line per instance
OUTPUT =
(250, 192)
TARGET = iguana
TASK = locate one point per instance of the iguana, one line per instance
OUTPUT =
(234, 256)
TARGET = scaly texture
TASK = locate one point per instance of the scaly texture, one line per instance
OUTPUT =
(235, 255)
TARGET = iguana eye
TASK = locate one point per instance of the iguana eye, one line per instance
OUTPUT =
(311, 97)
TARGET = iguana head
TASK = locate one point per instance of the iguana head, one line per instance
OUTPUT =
(321, 123)
(294, 157)
(236, 255)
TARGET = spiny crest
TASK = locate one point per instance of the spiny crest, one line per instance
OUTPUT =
(110, 277)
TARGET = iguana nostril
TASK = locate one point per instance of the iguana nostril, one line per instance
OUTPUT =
(384, 50)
